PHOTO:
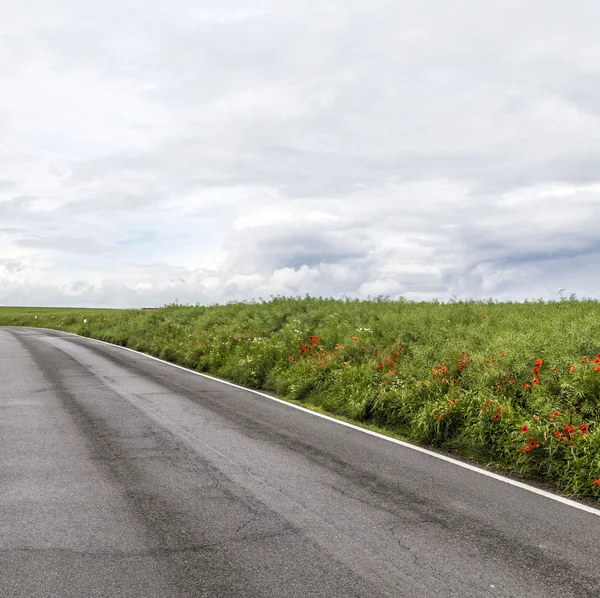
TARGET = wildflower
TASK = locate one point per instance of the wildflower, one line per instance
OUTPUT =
(496, 417)
(554, 369)
(355, 339)
(527, 386)
(572, 369)
(586, 359)
(519, 452)
(524, 429)
(291, 358)
(485, 317)
(596, 360)
(536, 417)
(557, 414)
(596, 482)
(597, 368)
(583, 428)
(527, 448)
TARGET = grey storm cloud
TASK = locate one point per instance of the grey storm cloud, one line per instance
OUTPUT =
(209, 152)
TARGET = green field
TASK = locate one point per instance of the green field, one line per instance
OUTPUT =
(512, 385)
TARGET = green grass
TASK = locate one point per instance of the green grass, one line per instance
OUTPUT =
(513, 386)
(23, 316)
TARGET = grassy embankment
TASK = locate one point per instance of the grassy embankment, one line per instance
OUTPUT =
(515, 386)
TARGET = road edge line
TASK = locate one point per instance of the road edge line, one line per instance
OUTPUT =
(495, 476)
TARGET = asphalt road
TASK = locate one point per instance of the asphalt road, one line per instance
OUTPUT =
(124, 476)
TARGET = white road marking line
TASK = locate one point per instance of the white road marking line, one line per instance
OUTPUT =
(489, 474)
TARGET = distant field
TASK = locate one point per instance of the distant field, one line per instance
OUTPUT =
(72, 313)
(512, 385)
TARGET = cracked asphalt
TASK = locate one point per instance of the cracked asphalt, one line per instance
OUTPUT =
(123, 476)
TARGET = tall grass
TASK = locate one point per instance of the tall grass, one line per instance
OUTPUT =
(512, 385)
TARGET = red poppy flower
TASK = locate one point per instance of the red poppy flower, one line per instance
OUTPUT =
(524, 429)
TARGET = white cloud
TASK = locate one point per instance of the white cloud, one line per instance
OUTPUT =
(152, 151)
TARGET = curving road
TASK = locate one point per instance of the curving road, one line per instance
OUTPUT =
(124, 476)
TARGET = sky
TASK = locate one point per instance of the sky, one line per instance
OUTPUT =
(197, 151)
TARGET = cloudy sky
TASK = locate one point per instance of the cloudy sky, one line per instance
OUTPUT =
(205, 151)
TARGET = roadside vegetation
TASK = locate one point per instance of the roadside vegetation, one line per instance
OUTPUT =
(511, 385)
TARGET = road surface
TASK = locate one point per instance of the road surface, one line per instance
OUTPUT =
(125, 476)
